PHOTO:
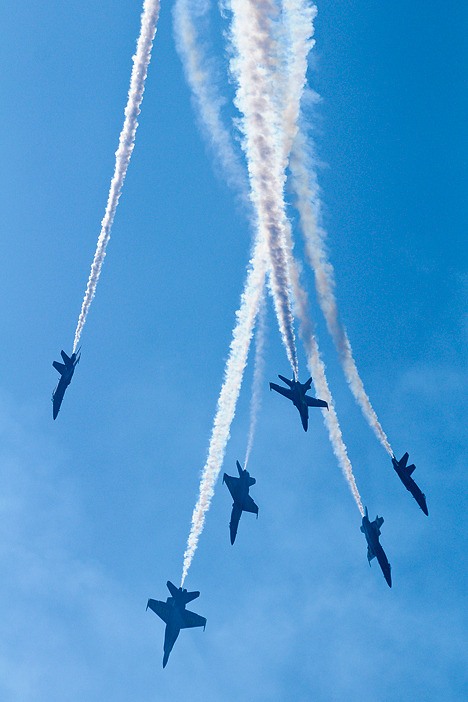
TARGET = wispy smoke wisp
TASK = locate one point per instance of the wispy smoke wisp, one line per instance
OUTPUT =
(201, 77)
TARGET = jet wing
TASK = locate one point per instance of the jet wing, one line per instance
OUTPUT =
(410, 469)
(313, 402)
(249, 505)
(60, 367)
(232, 483)
(192, 620)
(370, 554)
(159, 608)
(282, 391)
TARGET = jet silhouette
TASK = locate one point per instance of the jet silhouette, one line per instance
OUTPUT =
(404, 473)
(176, 617)
(297, 394)
(66, 370)
(239, 489)
(371, 531)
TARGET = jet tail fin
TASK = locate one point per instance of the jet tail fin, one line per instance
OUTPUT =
(239, 468)
(66, 359)
(172, 588)
(60, 367)
(285, 380)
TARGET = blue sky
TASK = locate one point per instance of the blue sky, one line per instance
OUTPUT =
(95, 508)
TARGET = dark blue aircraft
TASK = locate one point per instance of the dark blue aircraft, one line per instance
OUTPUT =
(404, 473)
(176, 617)
(297, 394)
(66, 370)
(239, 489)
(371, 531)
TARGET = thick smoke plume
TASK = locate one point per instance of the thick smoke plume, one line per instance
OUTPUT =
(251, 64)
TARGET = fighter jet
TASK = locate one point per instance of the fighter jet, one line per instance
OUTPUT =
(371, 531)
(404, 473)
(176, 617)
(297, 394)
(66, 370)
(239, 489)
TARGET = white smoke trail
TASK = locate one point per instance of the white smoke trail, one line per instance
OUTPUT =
(259, 369)
(298, 30)
(317, 371)
(234, 371)
(201, 77)
(123, 154)
(304, 181)
(253, 49)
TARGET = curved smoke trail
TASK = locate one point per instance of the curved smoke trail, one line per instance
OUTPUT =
(298, 31)
(259, 369)
(253, 57)
(299, 16)
(201, 77)
(227, 401)
(123, 154)
(304, 181)
(317, 371)
(267, 230)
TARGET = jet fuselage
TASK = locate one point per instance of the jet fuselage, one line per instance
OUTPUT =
(297, 393)
(371, 531)
(175, 615)
(404, 473)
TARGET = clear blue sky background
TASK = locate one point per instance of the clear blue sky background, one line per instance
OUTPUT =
(95, 508)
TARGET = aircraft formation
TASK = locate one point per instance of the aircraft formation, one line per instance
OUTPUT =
(173, 612)
(268, 72)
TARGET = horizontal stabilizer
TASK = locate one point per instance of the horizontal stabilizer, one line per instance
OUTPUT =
(411, 469)
(60, 367)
